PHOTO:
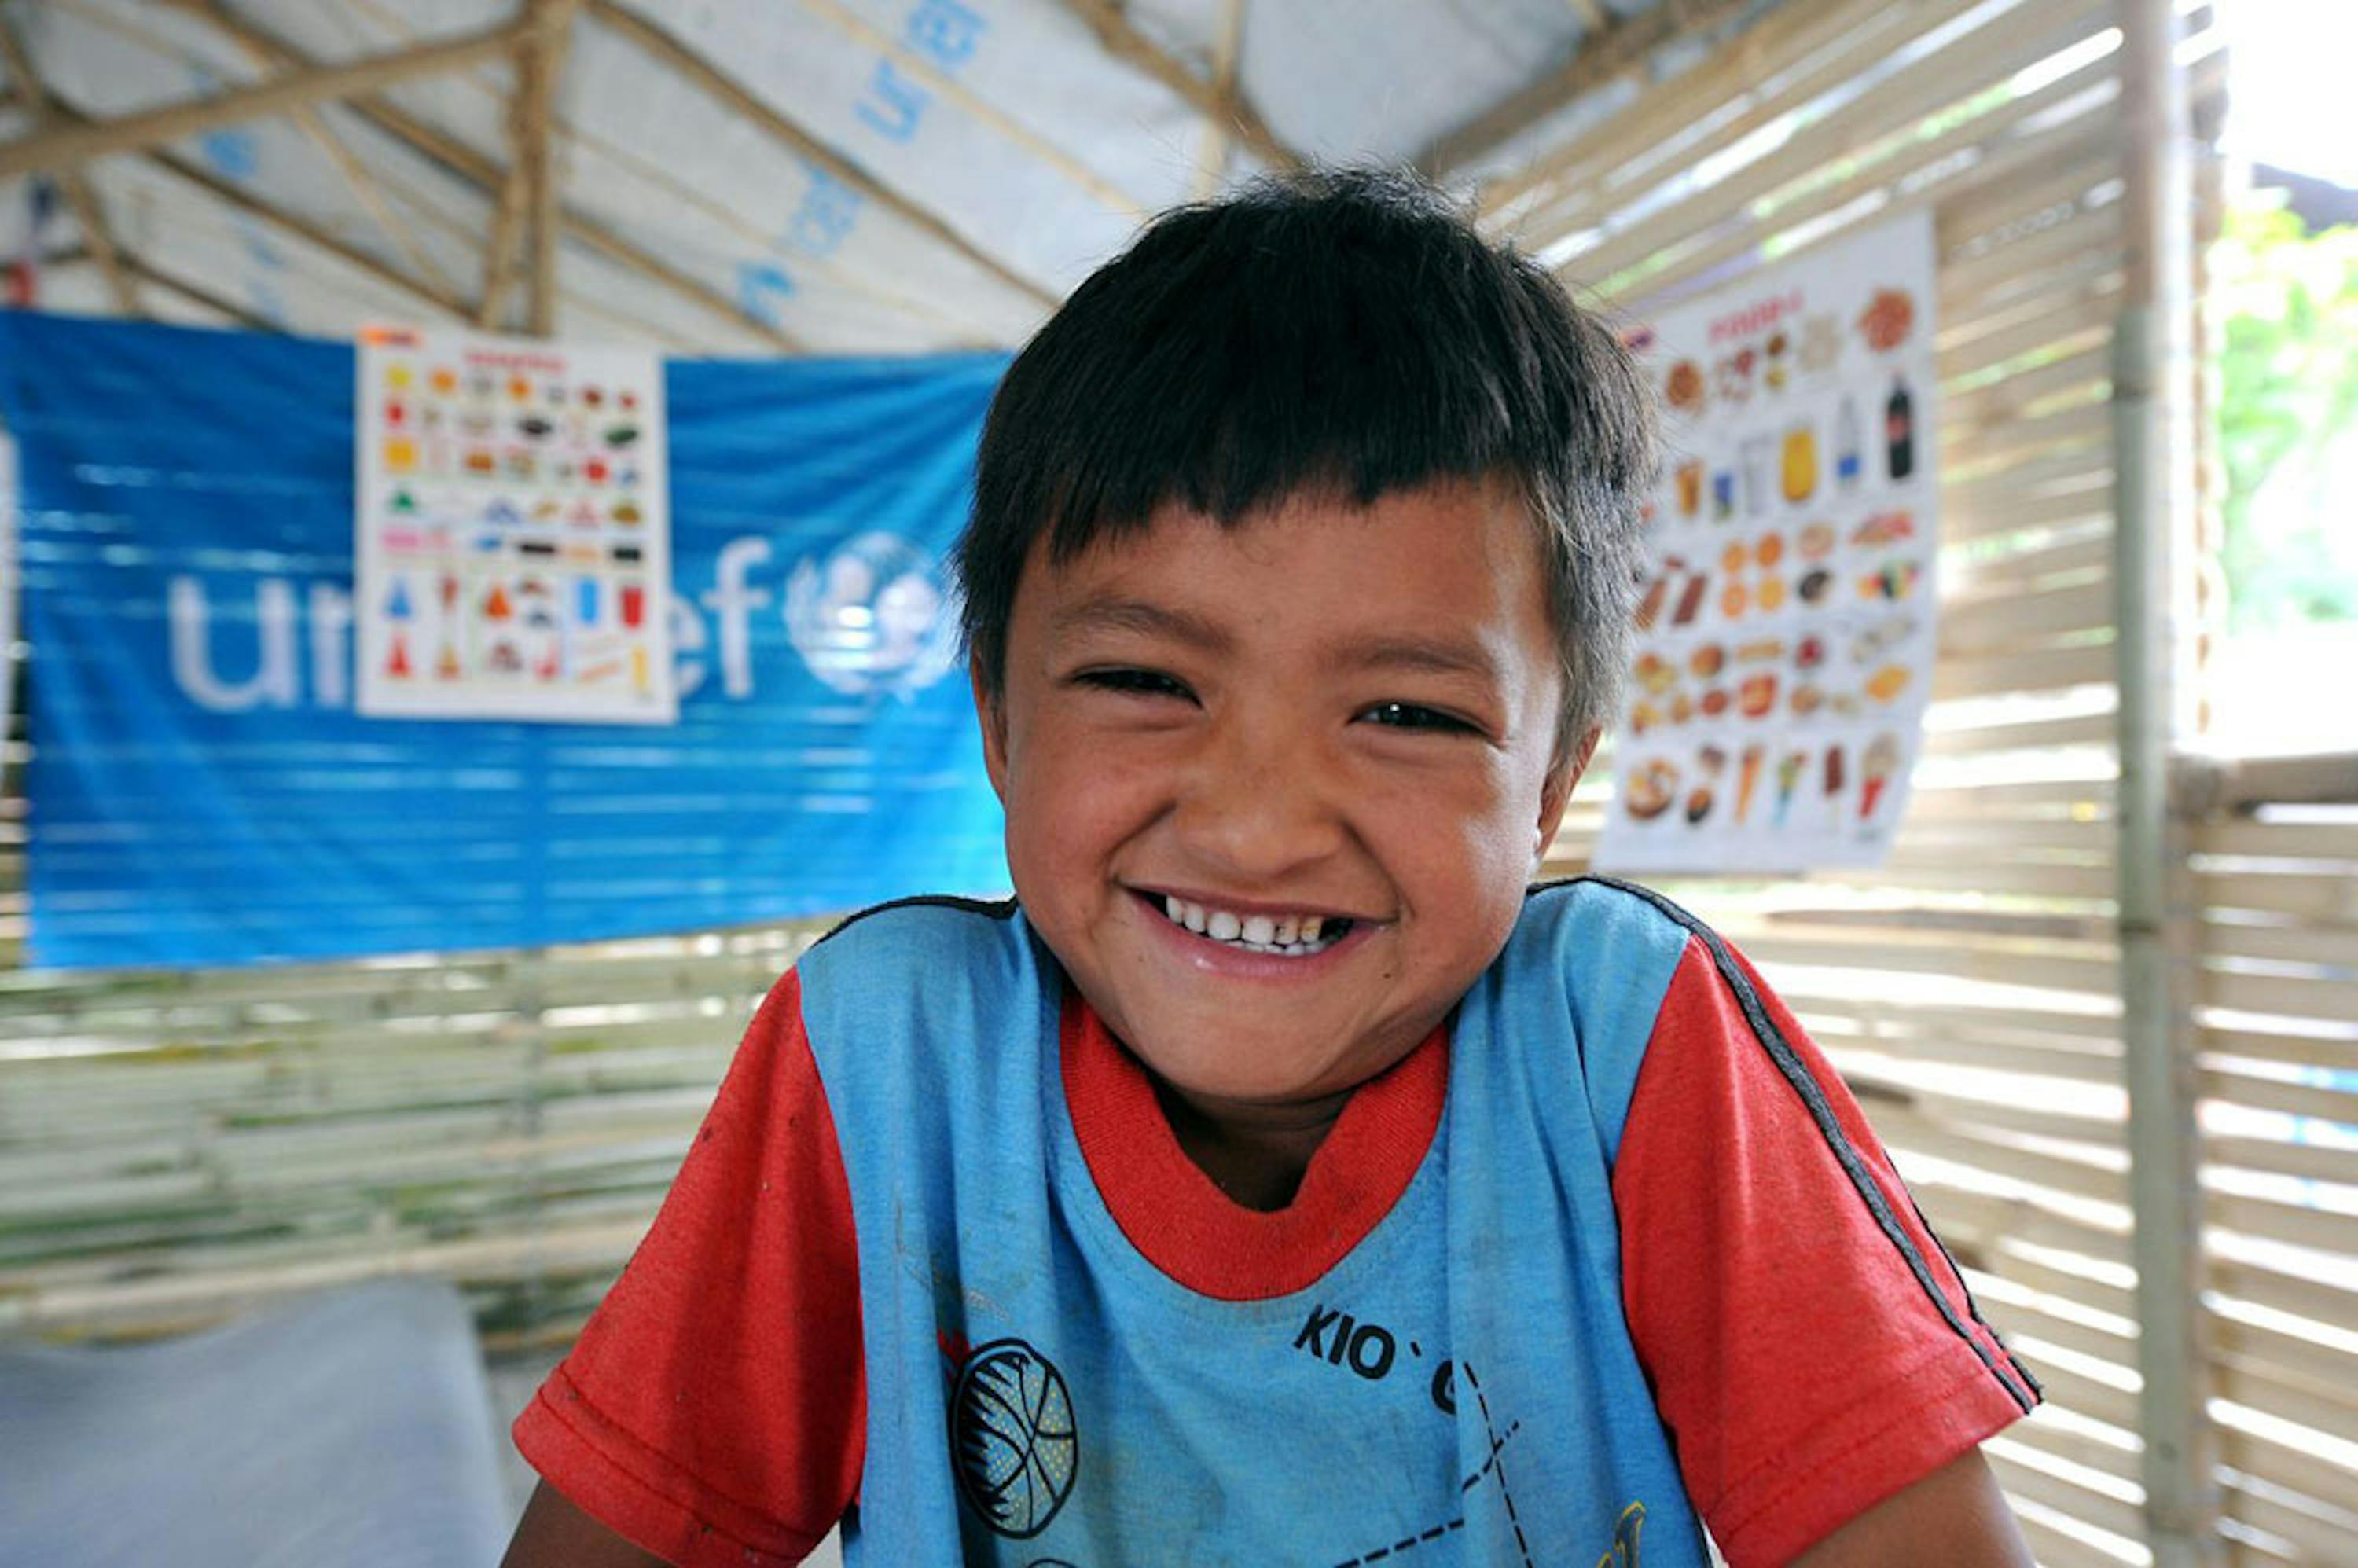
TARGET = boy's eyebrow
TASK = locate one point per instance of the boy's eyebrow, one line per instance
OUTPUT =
(1432, 656)
(1143, 617)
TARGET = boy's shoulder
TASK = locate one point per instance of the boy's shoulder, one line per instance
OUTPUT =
(1602, 919)
(928, 920)
(920, 955)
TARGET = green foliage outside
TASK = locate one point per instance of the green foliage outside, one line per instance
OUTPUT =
(2289, 417)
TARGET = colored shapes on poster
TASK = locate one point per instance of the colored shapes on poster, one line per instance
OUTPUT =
(534, 431)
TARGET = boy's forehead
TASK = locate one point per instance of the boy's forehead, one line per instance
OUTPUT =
(1474, 507)
(1452, 584)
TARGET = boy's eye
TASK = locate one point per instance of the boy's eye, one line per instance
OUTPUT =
(1414, 716)
(1141, 683)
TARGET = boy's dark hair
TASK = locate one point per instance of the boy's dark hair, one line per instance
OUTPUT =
(1340, 330)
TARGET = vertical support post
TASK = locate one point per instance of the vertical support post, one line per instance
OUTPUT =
(2152, 396)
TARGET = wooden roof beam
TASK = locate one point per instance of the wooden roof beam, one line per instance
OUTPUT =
(487, 174)
(546, 207)
(523, 212)
(1610, 52)
(1213, 159)
(72, 145)
(88, 214)
(364, 186)
(1225, 105)
(252, 321)
(441, 300)
(663, 47)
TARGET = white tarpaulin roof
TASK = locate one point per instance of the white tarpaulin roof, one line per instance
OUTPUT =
(734, 177)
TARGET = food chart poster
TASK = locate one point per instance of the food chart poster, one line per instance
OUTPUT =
(513, 536)
(1786, 631)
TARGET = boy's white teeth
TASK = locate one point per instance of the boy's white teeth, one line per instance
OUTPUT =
(1295, 934)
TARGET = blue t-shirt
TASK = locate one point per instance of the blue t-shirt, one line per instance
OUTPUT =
(1072, 1349)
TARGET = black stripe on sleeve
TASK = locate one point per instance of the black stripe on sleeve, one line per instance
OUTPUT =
(994, 908)
(1797, 1074)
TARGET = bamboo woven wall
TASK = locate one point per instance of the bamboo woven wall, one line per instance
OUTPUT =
(175, 1146)
(1970, 988)
(2275, 871)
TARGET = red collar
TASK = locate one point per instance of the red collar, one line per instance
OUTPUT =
(1193, 1232)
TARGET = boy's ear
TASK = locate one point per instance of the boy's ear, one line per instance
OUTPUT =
(991, 713)
(1557, 793)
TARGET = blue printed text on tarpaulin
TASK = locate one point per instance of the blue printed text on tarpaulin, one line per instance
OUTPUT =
(202, 791)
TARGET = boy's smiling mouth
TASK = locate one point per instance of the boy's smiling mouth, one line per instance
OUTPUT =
(1286, 934)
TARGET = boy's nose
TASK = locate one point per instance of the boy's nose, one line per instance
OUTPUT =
(1258, 802)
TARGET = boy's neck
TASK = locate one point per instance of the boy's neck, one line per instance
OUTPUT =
(1255, 1154)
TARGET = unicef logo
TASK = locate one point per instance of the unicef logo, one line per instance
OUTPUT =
(1012, 1437)
(874, 616)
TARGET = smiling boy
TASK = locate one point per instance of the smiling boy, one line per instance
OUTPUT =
(1276, 1178)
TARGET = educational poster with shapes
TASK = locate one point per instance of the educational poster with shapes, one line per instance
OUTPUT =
(1785, 632)
(514, 541)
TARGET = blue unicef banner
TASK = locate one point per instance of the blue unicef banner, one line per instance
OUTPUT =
(202, 792)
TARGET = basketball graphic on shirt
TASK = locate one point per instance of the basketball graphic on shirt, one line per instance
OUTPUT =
(1012, 1437)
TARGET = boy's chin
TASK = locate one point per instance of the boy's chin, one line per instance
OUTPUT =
(1258, 1077)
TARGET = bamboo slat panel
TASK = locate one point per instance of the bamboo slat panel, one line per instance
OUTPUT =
(2279, 1091)
(1970, 988)
(176, 1147)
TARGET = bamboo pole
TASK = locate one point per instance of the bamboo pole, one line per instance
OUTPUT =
(541, 63)
(88, 214)
(230, 195)
(1212, 157)
(253, 321)
(508, 215)
(1217, 101)
(367, 190)
(75, 145)
(487, 174)
(2150, 474)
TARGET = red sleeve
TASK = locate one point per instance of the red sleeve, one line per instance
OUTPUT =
(714, 1411)
(1811, 1349)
